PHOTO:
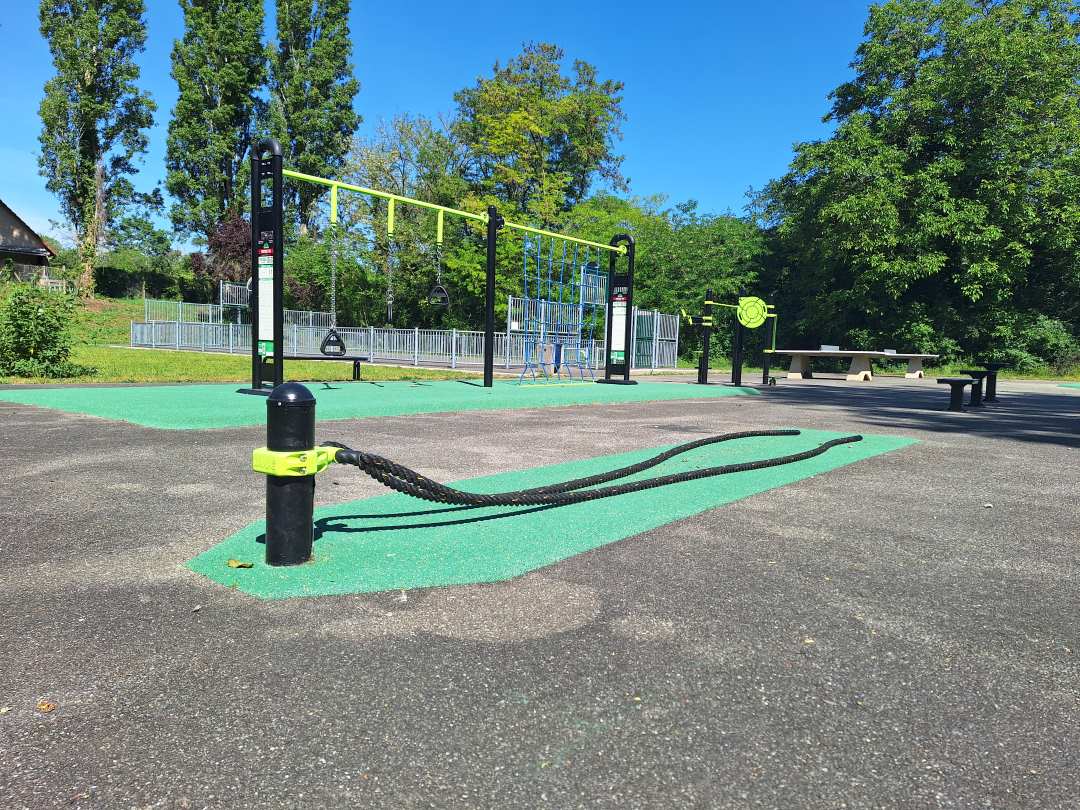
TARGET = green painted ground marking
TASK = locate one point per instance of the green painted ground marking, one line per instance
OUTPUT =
(201, 407)
(394, 541)
(1069, 385)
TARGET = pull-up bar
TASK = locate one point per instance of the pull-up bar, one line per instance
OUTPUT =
(334, 185)
(267, 268)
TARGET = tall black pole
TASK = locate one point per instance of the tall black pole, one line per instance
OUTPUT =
(267, 265)
(619, 345)
(737, 350)
(706, 336)
(494, 223)
(767, 355)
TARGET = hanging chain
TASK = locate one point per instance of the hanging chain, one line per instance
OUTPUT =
(390, 256)
(333, 273)
(438, 263)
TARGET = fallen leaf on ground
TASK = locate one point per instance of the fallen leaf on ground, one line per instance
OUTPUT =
(240, 564)
(45, 706)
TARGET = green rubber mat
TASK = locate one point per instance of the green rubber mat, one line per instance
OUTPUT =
(394, 541)
(1069, 385)
(200, 407)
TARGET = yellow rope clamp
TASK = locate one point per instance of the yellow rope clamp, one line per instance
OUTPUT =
(284, 464)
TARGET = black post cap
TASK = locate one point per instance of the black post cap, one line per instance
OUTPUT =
(291, 395)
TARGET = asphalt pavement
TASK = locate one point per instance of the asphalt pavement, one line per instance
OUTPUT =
(900, 632)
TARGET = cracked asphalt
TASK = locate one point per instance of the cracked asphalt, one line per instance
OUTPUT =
(900, 632)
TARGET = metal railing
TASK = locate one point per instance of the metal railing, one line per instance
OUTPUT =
(156, 310)
(444, 347)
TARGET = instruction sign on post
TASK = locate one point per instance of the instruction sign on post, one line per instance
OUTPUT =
(267, 268)
(620, 306)
(620, 295)
(265, 258)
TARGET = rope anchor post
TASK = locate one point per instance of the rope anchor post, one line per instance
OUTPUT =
(290, 461)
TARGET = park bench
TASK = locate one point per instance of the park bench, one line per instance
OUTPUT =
(859, 369)
(956, 393)
(356, 360)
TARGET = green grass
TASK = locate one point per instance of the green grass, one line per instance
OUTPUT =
(122, 365)
(106, 320)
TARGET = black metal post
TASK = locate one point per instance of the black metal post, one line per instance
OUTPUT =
(494, 223)
(267, 267)
(737, 355)
(706, 336)
(619, 343)
(767, 355)
(992, 370)
(290, 500)
(737, 350)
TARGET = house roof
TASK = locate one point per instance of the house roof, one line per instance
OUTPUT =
(44, 250)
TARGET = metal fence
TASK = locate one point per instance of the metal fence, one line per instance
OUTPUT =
(231, 294)
(656, 334)
(656, 338)
(447, 347)
(156, 310)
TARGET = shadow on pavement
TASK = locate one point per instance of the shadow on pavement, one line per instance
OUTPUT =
(1020, 415)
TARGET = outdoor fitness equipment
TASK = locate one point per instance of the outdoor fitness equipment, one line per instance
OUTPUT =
(750, 313)
(291, 460)
(558, 316)
(267, 264)
(438, 296)
(333, 345)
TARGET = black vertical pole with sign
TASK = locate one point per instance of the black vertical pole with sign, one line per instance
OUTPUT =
(494, 223)
(620, 316)
(706, 337)
(267, 254)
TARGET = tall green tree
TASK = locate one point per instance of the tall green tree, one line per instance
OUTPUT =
(311, 94)
(539, 137)
(93, 115)
(219, 66)
(944, 212)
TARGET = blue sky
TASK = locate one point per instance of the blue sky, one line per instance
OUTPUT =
(716, 92)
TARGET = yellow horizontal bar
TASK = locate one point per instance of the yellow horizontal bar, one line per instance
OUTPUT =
(386, 195)
(565, 238)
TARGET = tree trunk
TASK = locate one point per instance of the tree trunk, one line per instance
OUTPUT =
(89, 247)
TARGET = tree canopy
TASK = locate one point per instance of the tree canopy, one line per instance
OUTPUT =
(312, 88)
(537, 137)
(219, 66)
(93, 115)
(944, 212)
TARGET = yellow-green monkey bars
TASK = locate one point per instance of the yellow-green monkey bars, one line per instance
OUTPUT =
(267, 268)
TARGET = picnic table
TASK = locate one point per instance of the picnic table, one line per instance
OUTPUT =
(860, 369)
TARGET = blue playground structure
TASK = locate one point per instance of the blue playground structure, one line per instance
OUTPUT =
(564, 296)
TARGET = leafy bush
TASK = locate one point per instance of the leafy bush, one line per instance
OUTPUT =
(1030, 342)
(34, 336)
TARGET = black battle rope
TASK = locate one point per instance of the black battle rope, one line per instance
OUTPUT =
(402, 479)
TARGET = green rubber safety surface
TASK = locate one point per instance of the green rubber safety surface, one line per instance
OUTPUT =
(202, 407)
(394, 541)
(1069, 385)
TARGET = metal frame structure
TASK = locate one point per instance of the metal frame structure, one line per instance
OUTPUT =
(267, 266)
